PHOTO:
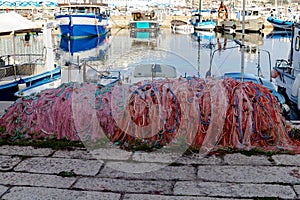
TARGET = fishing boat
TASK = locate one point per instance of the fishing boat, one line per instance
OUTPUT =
(254, 22)
(201, 23)
(76, 56)
(181, 27)
(144, 21)
(248, 77)
(287, 71)
(281, 18)
(280, 23)
(79, 20)
(18, 71)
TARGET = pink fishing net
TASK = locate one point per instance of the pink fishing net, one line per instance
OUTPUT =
(208, 114)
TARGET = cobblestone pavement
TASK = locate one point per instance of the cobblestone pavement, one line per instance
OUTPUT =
(31, 173)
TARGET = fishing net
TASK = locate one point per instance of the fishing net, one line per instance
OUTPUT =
(206, 113)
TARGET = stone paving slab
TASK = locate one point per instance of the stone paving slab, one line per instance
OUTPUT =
(101, 154)
(240, 159)
(287, 159)
(155, 157)
(120, 185)
(249, 174)
(161, 172)
(27, 179)
(3, 189)
(199, 160)
(25, 151)
(160, 197)
(8, 162)
(74, 154)
(38, 193)
(57, 165)
(33, 173)
(111, 154)
(297, 189)
(213, 189)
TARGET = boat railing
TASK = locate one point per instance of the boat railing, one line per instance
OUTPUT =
(107, 75)
(20, 65)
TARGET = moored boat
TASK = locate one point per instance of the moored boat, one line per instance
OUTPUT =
(287, 71)
(233, 21)
(17, 70)
(281, 24)
(83, 20)
(200, 23)
(144, 21)
(181, 27)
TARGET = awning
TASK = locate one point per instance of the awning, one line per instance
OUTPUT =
(16, 23)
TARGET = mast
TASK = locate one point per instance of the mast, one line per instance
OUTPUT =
(200, 8)
(243, 42)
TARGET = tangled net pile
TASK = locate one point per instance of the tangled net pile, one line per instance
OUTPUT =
(206, 113)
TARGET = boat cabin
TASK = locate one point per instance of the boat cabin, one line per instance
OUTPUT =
(84, 9)
(287, 71)
(142, 16)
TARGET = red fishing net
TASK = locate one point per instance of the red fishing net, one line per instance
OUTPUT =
(207, 113)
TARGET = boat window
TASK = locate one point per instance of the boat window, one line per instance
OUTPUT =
(81, 10)
(297, 45)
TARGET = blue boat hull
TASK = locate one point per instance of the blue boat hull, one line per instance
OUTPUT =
(82, 25)
(280, 24)
(83, 30)
(8, 90)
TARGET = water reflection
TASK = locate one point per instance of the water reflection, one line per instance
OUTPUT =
(127, 47)
(78, 50)
(144, 38)
(279, 34)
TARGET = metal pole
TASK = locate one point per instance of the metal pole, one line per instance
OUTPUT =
(14, 43)
(243, 42)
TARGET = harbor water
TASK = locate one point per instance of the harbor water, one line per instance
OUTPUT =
(197, 53)
(203, 51)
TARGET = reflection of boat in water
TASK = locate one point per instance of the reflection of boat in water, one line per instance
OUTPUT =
(277, 34)
(91, 48)
(204, 35)
(252, 41)
(181, 27)
(83, 20)
(144, 38)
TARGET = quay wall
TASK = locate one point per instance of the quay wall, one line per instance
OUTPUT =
(123, 21)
